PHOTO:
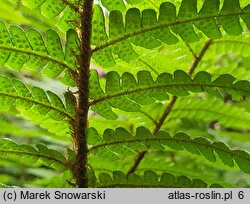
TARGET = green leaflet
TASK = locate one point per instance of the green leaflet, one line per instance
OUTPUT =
(211, 109)
(45, 109)
(246, 18)
(231, 24)
(148, 30)
(149, 180)
(28, 154)
(134, 21)
(209, 26)
(96, 91)
(99, 36)
(19, 49)
(116, 29)
(127, 93)
(188, 9)
(121, 143)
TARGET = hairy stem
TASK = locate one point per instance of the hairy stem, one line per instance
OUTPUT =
(158, 125)
(81, 121)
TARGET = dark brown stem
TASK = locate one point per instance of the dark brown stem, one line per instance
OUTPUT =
(137, 161)
(199, 57)
(170, 106)
(81, 121)
(165, 114)
(195, 63)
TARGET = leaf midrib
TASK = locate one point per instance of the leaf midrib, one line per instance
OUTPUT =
(127, 92)
(38, 103)
(33, 154)
(156, 139)
(160, 26)
(39, 55)
(207, 110)
(231, 41)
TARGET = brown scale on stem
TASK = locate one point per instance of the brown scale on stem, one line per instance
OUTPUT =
(80, 122)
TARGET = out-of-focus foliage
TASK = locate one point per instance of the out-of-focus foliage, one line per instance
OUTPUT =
(144, 53)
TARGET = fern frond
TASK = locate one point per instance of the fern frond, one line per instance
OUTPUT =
(19, 49)
(182, 163)
(228, 55)
(29, 154)
(45, 109)
(178, 56)
(147, 30)
(120, 142)
(13, 126)
(127, 93)
(149, 180)
(211, 110)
